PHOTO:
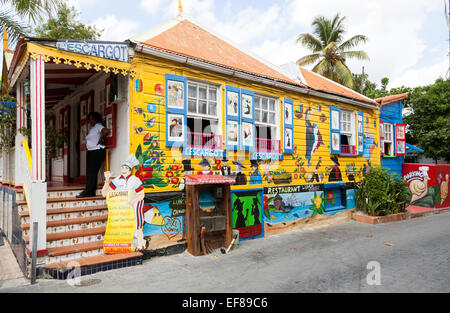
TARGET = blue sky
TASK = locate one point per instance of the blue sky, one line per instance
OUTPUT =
(408, 39)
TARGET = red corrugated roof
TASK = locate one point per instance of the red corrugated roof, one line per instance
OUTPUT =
(188, 39)
(208, 179)
(318, 82)
(183, 37)
(392, 98)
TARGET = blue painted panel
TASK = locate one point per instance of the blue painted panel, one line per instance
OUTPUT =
(392, 112)
(393, 164)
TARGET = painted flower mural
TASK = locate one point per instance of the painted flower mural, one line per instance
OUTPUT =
(317, 204)
(154, 169)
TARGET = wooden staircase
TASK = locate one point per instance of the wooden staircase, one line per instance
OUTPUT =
(75, 232)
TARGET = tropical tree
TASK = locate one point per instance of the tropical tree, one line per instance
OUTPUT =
(13, 12)
(429, 123)
(329, 50)
(65, 26)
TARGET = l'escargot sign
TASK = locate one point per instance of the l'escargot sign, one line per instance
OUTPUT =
(108, 50)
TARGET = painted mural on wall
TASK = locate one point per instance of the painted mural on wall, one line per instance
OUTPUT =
(162, 169)
(427, 184)
(246, 213)
(291, 203)
(313, 136)
(164, 223)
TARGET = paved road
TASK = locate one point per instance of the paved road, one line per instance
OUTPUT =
(414, 256)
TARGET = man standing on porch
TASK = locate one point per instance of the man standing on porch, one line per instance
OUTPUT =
(96, 153)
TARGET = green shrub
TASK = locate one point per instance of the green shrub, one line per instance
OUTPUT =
(381, 193)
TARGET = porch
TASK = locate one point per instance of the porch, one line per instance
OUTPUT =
(44, 167)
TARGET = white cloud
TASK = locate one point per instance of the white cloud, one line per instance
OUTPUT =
(392, 27)
(421, 76)
(115, 29)
(151, 6)
(78, 3)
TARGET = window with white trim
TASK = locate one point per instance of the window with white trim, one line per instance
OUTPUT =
(203, 116)
(266, 123)
(388, 139)
(348, 145)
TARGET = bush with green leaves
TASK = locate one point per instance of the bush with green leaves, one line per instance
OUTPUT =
(381, 193)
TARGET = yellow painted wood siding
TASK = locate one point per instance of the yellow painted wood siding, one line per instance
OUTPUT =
(168, 172)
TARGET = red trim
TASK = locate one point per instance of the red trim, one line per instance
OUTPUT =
(112, 186)
(140, 188)
(39, 253)
(40, 117)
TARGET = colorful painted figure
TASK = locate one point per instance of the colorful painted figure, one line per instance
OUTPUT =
(369, 146)
(241, 179)
(206, 168)
(187, 168)
(335, 174)
(444, 189)
(318, 177)
(255, 177)
(127, 181)
(313, 136)
(226, 169)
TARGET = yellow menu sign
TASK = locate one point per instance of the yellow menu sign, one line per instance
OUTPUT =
(121, 223)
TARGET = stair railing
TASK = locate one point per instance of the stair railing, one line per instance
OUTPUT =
(26, 159)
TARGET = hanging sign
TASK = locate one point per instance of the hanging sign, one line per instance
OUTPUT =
(107, 50)
(121, 224)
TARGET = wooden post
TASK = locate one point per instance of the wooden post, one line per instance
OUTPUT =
(226, 204)
(192, 220)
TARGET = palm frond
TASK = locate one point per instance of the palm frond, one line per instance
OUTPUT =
(310, 42)
(324, 68)
(308, 59)
(360, 55)
(343, 75)
(352, 42)
(319, 25)
(14, 28)
(33, 9)
(337, 29)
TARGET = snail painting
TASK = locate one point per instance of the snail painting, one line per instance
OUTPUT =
(419, 188)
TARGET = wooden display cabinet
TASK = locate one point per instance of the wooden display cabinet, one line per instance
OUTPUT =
(208, 206)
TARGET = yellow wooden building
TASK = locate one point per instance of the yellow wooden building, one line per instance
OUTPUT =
(294, 140)
(184, 101)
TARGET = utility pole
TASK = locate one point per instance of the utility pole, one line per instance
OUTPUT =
(362, 80)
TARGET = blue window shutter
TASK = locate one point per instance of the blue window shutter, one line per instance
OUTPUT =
(176, 109)
(247, 120)
(232, 116)
(288, 126)
(360, 125)
(335, 130)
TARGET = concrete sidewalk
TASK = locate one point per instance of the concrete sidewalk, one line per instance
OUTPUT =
(9, 268)
(413, 255)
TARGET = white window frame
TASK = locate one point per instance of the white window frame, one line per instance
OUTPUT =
(217, 120)
(389, 137)
(208, 87)
(258, 107)
(352, 132)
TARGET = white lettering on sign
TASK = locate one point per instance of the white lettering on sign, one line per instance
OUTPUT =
(113, 51)
(203, 152)
(266, 156)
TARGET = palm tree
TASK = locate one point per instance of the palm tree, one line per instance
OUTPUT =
(13, 10)
(330, 52)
